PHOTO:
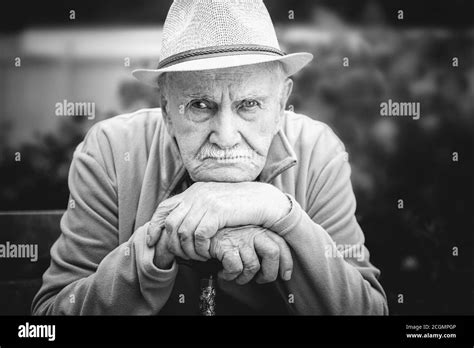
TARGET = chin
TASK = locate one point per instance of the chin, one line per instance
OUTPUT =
(225, 171)
(225, 175)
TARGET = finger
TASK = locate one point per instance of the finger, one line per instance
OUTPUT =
(166, 207)
(157, 222)
(172, 224)
(153, 233)
(269, 253)
(174, 246)
(163, 256)
(206, 229)
(251, 265)
(286, 259)
(186, 232)
(232, 265)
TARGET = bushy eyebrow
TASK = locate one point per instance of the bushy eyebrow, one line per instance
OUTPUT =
(240, 97)
(199, 96)
(252, 96)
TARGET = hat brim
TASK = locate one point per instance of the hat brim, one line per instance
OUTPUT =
(291, 63)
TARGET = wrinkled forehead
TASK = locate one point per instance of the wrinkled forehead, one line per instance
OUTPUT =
(237, 80)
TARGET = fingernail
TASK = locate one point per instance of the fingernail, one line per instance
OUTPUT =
(287, 275)
(148, 239)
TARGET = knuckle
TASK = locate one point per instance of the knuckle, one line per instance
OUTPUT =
(274, 253)
(234, 269)
(183, 237)
(200, 236)
(169, 224)
(252, 268)
(215, 250)
(171, 248)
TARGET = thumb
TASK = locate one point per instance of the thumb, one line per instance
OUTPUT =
(166, 207)
(157, 222)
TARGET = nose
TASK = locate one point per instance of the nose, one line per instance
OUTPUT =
(225, 132)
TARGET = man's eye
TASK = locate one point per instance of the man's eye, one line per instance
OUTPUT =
(200, 104)
(250, 104)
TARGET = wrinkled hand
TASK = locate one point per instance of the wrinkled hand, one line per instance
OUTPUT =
(239, 249)
(158, 238)
(243, 251)
(198, 213)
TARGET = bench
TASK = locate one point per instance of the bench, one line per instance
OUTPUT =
(20, 278)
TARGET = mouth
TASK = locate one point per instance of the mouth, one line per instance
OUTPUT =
(228, 160)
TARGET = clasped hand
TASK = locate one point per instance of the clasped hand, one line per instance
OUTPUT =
(224, 221)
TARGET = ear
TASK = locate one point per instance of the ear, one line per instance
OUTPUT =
(284, 95)
(165, 114)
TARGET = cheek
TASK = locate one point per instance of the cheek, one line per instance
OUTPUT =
(268, 127)
(260, 133)
(189, 136)
(269, 120)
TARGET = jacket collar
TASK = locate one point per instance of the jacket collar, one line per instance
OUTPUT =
(281, 157)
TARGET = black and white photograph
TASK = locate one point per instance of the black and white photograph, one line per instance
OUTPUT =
(267, 163)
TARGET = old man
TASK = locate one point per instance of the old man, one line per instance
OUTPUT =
(219, 175)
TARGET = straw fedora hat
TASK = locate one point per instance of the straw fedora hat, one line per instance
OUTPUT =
(214, 34)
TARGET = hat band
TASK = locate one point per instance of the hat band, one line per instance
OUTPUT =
(214, 51)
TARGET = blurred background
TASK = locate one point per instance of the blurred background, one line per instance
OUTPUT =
(84, 51)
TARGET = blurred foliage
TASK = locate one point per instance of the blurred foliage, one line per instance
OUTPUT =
(36, 172)
(391, 158)
(401, 158)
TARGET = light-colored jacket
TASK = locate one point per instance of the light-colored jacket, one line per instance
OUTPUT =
(128, 164)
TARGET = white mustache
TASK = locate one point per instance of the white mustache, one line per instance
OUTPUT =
(214, 152)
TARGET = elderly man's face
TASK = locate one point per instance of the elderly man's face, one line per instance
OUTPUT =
(224, 120)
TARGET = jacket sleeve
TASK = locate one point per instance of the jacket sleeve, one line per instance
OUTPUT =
(332, 273)
(90, 273)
